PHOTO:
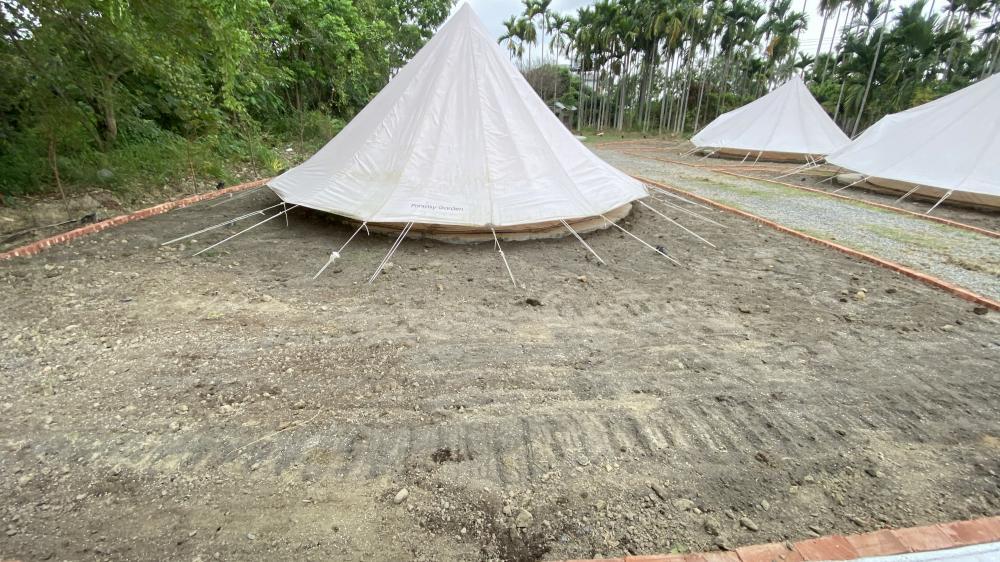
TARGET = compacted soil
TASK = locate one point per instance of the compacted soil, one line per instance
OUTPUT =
(161, 406)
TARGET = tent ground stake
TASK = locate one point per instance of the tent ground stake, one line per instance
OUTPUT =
(585, 245)
(677, 224)
(272, 217)
(336, 254)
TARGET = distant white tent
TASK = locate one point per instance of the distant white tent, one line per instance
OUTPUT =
(459, 138)
(951, 144)
(786, 124)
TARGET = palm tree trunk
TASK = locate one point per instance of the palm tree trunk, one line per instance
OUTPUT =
(822, 33)
(871, 74)
(668, 101)
(990, 64)
(829, 51)
(620, 113)
(724, 82)
(701, 93)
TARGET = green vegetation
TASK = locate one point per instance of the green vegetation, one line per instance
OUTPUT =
(117, 92)
(674, 65)
(908, 237)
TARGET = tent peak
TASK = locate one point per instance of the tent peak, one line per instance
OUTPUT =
(458, 137)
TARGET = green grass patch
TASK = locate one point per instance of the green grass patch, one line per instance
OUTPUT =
(905, 236)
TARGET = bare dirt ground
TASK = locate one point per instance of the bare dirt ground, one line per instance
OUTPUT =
(635, 408)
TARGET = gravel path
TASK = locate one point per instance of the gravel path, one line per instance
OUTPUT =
(964, 258)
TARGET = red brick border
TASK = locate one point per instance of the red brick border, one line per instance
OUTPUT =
(38, 246)
(847, 547)
(722, 170)
(929, 279)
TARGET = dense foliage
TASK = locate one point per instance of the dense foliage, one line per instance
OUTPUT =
(674, 65)
(158, 88)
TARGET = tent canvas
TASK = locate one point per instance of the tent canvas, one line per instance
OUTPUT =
(952, 143)
(787, 121)
(458, 138)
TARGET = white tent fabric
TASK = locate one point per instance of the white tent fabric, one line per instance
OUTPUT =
(952, 143)
(458, 137)
(787, 120)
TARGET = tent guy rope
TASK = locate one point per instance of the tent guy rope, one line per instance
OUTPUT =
(221, 224)
(392, 252)
(578, 237)
(496, 241)
(675, 223)
(336, 253)
(270, 218)
(643, 242)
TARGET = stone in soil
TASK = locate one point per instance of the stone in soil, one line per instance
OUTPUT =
(401, 496)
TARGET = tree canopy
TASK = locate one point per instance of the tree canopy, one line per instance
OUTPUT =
(91, 77)
(674, 65)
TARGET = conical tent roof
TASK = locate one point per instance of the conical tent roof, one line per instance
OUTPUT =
(949, 143)
(787, 120)
(458, 137)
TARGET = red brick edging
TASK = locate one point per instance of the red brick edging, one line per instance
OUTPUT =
(38, 246)
(722, 170)
(929, 279)
(848, 547)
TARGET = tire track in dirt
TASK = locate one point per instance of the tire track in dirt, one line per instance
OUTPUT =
(518, 448)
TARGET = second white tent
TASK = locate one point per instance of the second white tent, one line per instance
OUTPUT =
(787, 124)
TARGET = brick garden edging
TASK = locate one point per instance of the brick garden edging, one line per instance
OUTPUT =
(721, 170)
(37, 246)
(847, 547)
(929, 279)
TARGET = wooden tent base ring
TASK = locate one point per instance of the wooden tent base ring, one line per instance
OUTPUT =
(751, 156)
(976, 201)
(472, 235)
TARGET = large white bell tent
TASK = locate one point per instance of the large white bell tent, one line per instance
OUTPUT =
(459, 138)
(787, 124)
(458, 145)
(947, 148)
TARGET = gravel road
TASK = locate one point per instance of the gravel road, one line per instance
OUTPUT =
(961, 257)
